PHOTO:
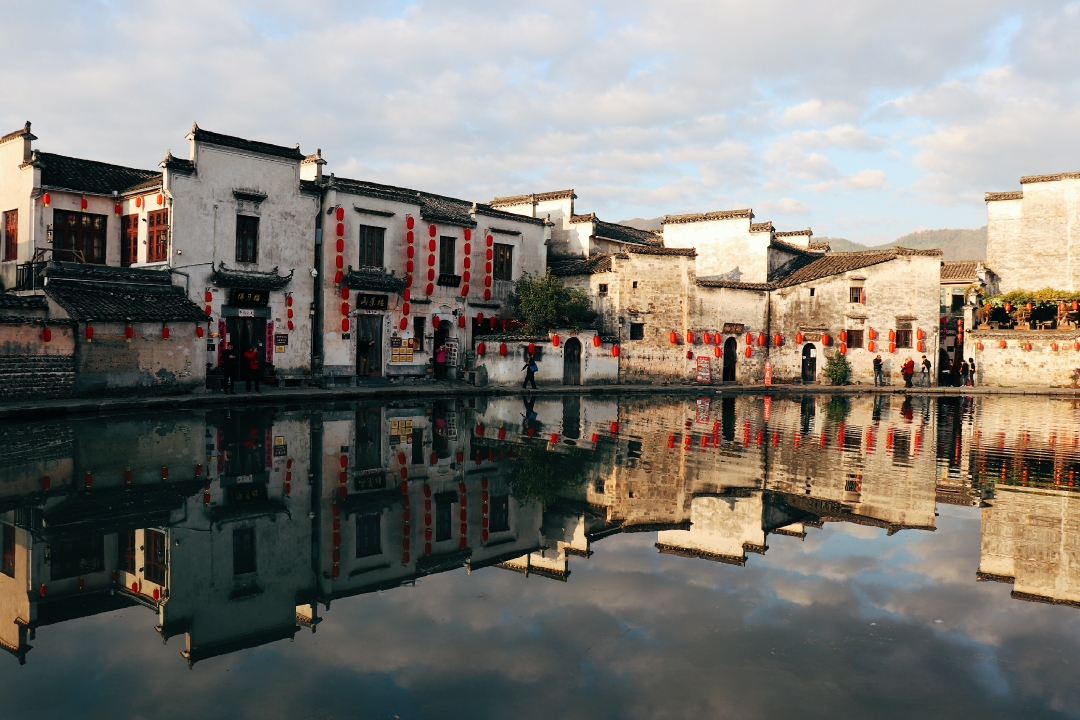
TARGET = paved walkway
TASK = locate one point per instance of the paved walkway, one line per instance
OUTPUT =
(30, 408)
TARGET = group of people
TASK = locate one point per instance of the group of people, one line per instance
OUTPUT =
(962, 374)
(246, 365)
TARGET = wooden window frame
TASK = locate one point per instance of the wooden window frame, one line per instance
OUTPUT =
(85, 231)
(10, 228)
(125, 552)
(129, 240)
(155, 567)
(157, 235)
(602, 289)
(371, 241)
(903, 338)
(368, 536)
(247, 238)
(448, 255)
(856, 339)
(502, 267)
(857, 294)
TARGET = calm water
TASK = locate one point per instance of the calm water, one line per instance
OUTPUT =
(577, 557)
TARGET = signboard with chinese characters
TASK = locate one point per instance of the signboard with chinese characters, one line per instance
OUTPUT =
(768, 373)
(239, 297)
(281, 338)
(704, 369)
(446, 280)
(371, 303)
(734, 328)
(703, 405)
(374, 481)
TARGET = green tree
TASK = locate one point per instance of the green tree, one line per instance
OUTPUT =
(837, 369)
(541, 475)
(542, 302)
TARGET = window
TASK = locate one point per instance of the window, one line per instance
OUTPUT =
(854, 339)
(811, 292)
(78, 237)
(157, 236)
(857, 295)
(243, 551)
(499, 521)
(504, 262)
(11, 235)
(129, 240)
(903, 338)
(368, 541)
(442, 519)
(371, 245)
(9, 551)
(957, 303)
(635, 285)
(418, 447)
(637, 331)
(447, 255)
(419, 327)
(125, 551)
(79, 556)
(154, 556)
(603, 289)
(247, 239)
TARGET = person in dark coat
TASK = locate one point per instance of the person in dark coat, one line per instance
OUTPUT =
(231, 366)
(908, 371)
(925, 378)
(530, 372)
(971, 372)
(879, 377)
(964, 371)
(252, 367)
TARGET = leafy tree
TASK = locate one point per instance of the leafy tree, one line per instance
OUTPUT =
(541, 475)
(837, 369)
(542, 302)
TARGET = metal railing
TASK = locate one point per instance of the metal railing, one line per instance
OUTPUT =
(29, 276)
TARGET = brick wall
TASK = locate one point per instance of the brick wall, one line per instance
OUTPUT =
(29, 367)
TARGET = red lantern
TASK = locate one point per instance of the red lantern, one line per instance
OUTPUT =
(429, 289)
(689, 354)
(165, 332)
(615, 351)
(345, 324)
(532, 348)
(871, 345)
(749, 351)
(920, 347)
(82, 203)
(674, 337)
(749, 338)
(461, 321)
(825, 340)
(480, 349)
(843, 348)
(340, 229)
(492, 322)
(129, 332)
(344, 308)
(160, 199)
(88, 480)
(717, 351)
(761, 339)
(1054, 346)
(919, 334)
(116, 209)
(338, 278)
(46, 334)
(198, 331)
(291, 327)
(48, 198)
(340, 245)
(464, 291)
(339, 262)
(690, 337)
(554, 438)
(431, 230)
(892, 336)
(843, 336)
(89, 333)
(409, 221)
(435, 322)
(489, 254)
(487, 294)
(555, 340)
(479, 317)
(978, 346)
(489, 240)
(777, 339)
(873, 334)
(502, 349)
(1004, 344)
(892, 347)
(339, 214)
(596, 340)
(798, 338)
(467, 249)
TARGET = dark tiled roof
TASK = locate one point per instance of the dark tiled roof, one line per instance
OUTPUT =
(171, 162)
(119, 294)
(533, 198)
(707, 283)
(837, 263)
(1008, 195)
(703, 217)
(649, 250)
(819, 246)
(90, 176)
(665, 549)
(625, 233)
(251, 279)
(373, 279)
(959, 271)
(9, 301)
(790, 247)
(252, 146)
(489, 211)
(761, 227)
(598, 263)
(589, 217)
(1049, 178)
(794, 233)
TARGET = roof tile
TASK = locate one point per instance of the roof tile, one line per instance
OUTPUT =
(707, 217)
(109, 294)
(90, 176)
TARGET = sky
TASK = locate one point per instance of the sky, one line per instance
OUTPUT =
(864, 120)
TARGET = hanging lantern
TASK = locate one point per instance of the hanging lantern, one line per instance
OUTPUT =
(339, 213)
(48, 198)
(532, 348)
(429, 289)
(798, 338)
(554, 439)
(480, 349)
(843, 336)
(919, 334)
(82, 204)
(843, 348)
(431, 230)
(492, 322)
(749, 351)
(979, 345)
(892, 347)
(1029, 307)
(198, 331)
(160, 199)
(489, 240)
(129, 332)
(410, 222)
(290, 323)
(690, 337)
(555, 340)
(46, 335)
(1008, 307)
(88, 480)
(717, 352)
(749, 338)
(674, 337)
(89, 333)
(480, 430)
(345, 324)
(487, 294)
(344, 308)
(1027, 347)
(871, 345)
(892, 336)
(165, 332)
(339, 277)
(920, 347)
(339, 262)
(1054, 346)
(777, 339)
(340, 229)
(480, 317)
(403, 325)
(873, 334)
(596, 340)
(340, 245)
(461, 321)
(825, 339)
(615, 351)
(502, 349)
(689, 354)
(505, 324)
(465, 290)
(116, 209)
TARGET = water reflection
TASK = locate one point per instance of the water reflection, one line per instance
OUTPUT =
(239, 528)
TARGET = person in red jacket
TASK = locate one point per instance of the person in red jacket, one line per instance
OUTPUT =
(908, 371)
(252, 369)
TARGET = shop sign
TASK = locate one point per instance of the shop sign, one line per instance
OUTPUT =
(248, 298)
(371, 302)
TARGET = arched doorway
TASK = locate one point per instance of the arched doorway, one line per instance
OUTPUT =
(809, 363)
(572, 362)
(731, 356)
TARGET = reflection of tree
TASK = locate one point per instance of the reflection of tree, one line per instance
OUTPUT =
(838, 408)
(541, 476)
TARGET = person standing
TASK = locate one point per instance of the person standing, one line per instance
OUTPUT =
(879, 377)
(231, 367)
(971, 372)
(964, 370)
(530, 372)
(252, 366)
(440, 362)
(908, 371)
(925, 379)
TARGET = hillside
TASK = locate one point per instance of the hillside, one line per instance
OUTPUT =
(955, 244)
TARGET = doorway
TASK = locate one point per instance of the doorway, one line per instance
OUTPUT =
(245, 333)
(572, 362)
(809, 363)
(369, 345)
(731, 357)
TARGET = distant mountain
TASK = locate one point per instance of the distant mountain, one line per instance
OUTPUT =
(955, 244)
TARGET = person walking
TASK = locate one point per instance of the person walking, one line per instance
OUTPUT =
(253, 368)
(879, 376)
(925, 379)
(530, 372)
(231, 367)
(908, 371)
(440, 362)
(971, 372)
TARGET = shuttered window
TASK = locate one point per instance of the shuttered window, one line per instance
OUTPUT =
(372, 240)
(129, 240)
(157, 236)
(11, 234)
(504, 262)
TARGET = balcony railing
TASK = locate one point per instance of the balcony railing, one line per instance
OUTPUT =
(29, 276)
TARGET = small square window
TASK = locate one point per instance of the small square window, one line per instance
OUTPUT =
(603, 289)
(811, 292)
(857, 295)
(854, 339)
(635, 284)
(637, 331)
(903, 338)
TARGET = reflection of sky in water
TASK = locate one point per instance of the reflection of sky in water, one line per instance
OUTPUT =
(846, 622)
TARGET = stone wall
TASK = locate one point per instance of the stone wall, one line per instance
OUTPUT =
(29, 367)
(598, 365)
(1014, 366)
(149, 363)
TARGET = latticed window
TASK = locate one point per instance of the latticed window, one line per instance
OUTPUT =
(157, 236)
(79, 237)
(11, 234)
(447, 255)
(857, 295)
(247, 239)
(154, 556)
(504, 262)
(855, 339)
(372, 241)
(129, 240)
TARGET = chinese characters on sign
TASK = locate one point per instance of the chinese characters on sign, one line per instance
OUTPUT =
(371, 303)
(704, 369)
(248, 298)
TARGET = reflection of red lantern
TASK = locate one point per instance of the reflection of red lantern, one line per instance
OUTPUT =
(198, 331)
(461, 321)
(48, 198)
(689, 354)
(717, 351)
(596, 340)
(480, 349)
(777, 340)
(487, 294)
(749, 338)
(555, 340)
(89, 333)
(46, 335)
(761, 339)
(673, 336)
(690, 337)
(532, 348)
(129, 332)
(116, 209)
(82, 203)
(615, 351)
(502, 349)
(165, 332)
